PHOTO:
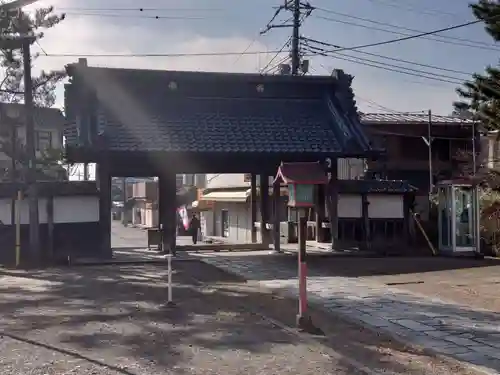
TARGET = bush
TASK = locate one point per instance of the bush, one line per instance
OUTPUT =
(489, 202)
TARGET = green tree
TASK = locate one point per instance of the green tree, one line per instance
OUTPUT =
(481, 95)
(12, 88)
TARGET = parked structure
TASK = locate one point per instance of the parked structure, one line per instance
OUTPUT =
(163, 123)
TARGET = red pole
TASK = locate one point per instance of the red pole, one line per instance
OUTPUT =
(302, 267)
(304, 321)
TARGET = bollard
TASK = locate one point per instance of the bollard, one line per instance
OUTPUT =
(170, 301)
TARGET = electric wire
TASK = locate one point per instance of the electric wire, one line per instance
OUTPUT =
(445, 39)
(195, 54)
(385, 57)
(369, 20)
(315, 49)
(408, 71)
(287, 43)
(402, 39)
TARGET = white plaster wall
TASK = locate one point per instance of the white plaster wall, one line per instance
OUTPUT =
(349, 206)
(66, 210)
(239, 221)
(385, 206)
(76, 209)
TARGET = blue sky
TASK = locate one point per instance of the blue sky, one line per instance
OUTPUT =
(233, 25)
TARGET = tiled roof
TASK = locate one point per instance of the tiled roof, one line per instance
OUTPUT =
(45, 118)
(416, 118)
(52, 188)
(302, 173)
(419, 179)
(374, 186)
(145, 110)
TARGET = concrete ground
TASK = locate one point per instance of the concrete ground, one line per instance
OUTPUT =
(384, 295)
(449, 305)
(114, 320)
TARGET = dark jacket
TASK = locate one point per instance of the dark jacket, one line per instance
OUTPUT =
(194, 224)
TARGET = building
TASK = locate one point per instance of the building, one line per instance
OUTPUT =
(144, 204)
(49, 126)
(387, 204)
(404, 138)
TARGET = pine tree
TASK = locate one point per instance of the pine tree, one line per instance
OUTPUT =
(11, 61)
(481, 95)
(12, 85)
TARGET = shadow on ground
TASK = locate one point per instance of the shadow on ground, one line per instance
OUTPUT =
(449, 328)
(117, 317)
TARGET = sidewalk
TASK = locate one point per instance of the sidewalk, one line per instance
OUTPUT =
(463, 332)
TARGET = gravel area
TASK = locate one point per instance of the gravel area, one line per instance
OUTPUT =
(113, 320)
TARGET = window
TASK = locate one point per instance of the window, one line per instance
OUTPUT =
(43, 140)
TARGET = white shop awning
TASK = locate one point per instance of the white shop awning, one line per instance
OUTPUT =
(238, 196)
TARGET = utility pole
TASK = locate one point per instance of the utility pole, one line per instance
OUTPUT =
(429, 140)
(30, 153)
(300, 10)
(295, 53)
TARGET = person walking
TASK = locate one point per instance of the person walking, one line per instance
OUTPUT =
(194, 227)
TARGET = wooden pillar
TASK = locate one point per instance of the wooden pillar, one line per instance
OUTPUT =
(407, 203)
(276, 216)
(333, 203)
(320, 212)
(168, 211)
(253, 206)
(50, 227)
(264, 207)
(104, 185)
(366, 221)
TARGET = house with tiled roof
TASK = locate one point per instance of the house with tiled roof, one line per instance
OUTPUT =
(49, 127)
(404, 137)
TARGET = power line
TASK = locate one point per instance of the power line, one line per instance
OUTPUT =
(415, 36)
(385, 57)
(140, 9)
(322, 51)
(287, 42)
(446, 39)
(428, 12)
(111, 15)
(374, 103)
(201, 54)
(369, 20)
(406, 71)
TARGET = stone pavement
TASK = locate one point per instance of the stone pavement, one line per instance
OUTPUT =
(467, 334)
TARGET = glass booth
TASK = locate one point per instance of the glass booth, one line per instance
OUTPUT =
(458, 205)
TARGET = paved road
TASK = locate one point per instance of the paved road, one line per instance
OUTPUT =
(468, 334)
(130, 237)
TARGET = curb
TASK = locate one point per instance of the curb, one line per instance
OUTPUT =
(128, 262)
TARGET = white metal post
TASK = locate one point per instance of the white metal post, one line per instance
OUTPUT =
(170, 301)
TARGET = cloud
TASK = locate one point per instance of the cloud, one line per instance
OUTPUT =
(96, 35)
